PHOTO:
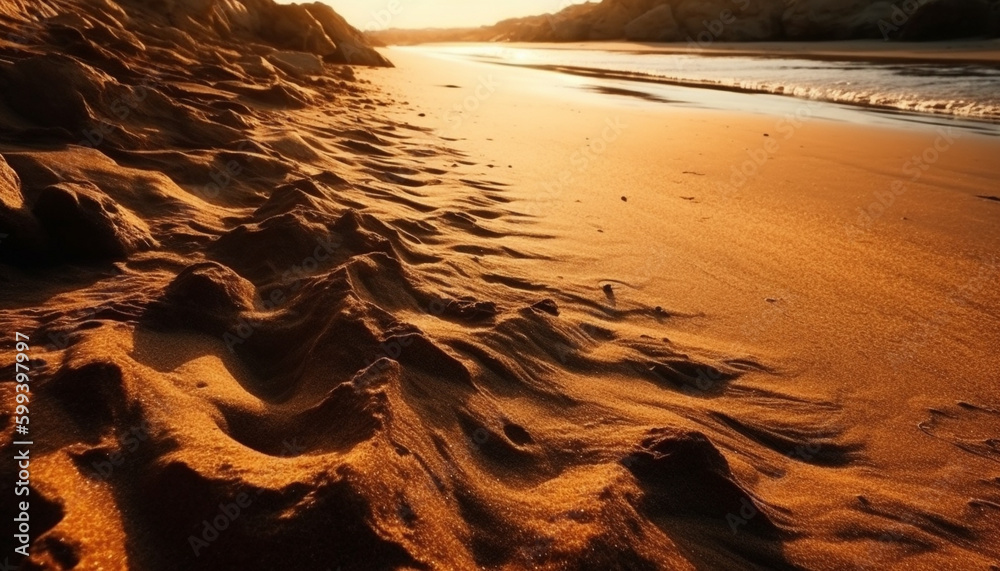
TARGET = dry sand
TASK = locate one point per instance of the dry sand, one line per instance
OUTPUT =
(877, 331)
(400, 337)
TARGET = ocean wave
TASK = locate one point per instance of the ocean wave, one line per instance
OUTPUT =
(961, 90)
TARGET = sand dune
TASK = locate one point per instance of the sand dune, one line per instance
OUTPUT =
(276, 324)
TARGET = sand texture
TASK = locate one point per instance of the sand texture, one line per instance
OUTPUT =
(279, 321)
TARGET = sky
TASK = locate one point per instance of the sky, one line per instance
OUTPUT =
(382, 14)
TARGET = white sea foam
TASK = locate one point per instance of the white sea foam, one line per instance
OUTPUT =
(968, 91)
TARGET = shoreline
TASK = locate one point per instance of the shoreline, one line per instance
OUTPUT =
(651, 85)
(960, 121)
(964, 52)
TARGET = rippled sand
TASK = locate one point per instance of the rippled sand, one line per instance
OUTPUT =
(302, 320)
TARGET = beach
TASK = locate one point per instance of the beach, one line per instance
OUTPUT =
(859, 276)
(292, 312)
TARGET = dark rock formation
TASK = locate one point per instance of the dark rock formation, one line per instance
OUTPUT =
(730, 20)
(946, 19)
(352, 46)
(20, 237)
(656, 25)
(313, 28)
(702, 22)
(73, 222)
(85, 225)
(684, 474)
(835, 19)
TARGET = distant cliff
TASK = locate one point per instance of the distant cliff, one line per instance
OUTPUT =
(313, 28)
(707, 21)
